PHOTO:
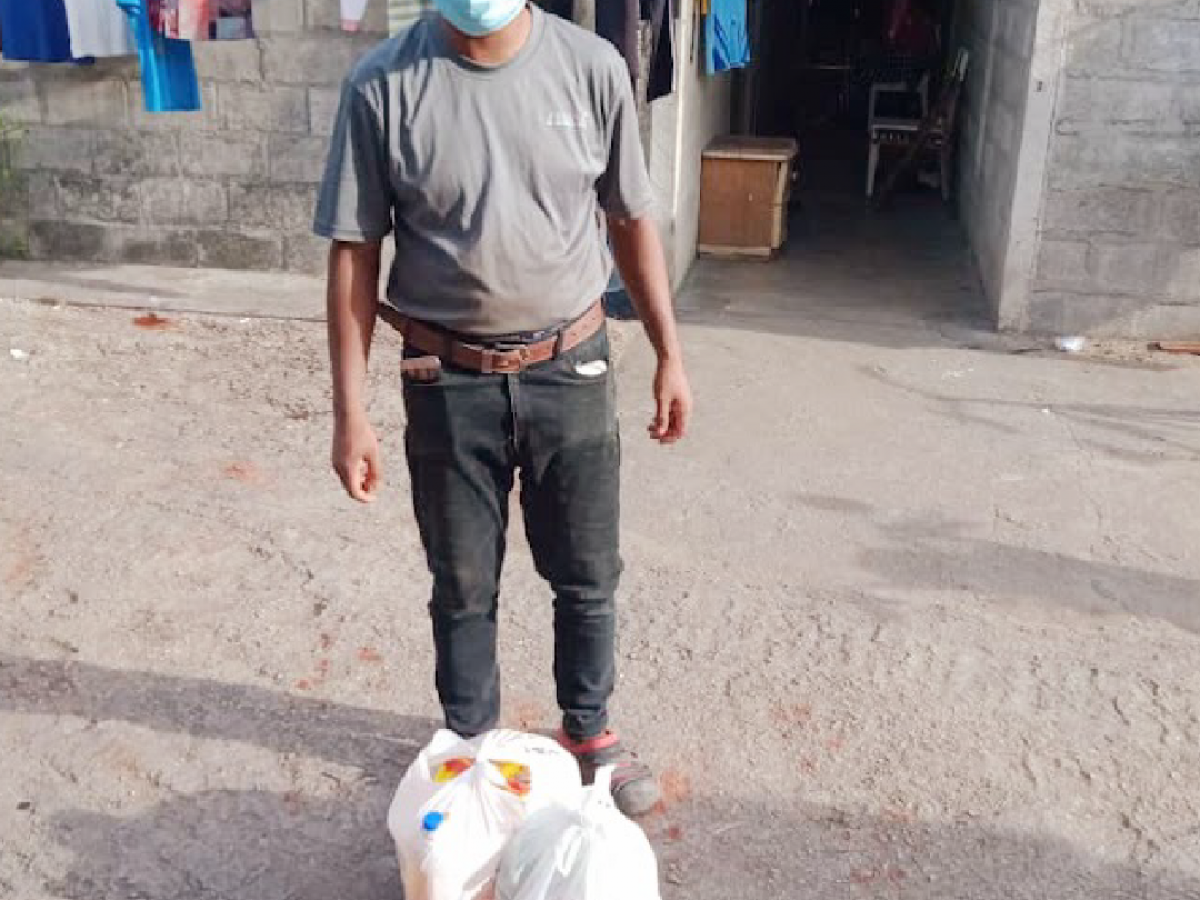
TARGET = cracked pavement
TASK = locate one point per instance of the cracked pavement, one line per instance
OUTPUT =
(907, 616)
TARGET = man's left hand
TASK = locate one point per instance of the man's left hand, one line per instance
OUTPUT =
(673, 402)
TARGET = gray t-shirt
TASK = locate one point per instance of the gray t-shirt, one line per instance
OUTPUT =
(492, 179)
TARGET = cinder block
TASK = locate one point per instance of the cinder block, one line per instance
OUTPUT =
(18, 99)
(283, 207)
(322, 109)
(1182, 273)
(124, 152)
(243, 155)
(1181, 216)
(228, 60)
(1126, 268)
(90, 199)
(1106, 158)
(311, 60)
(14, 194)
(68, 240)
(305, 253)
(252, 205)
(1090, 313)
(323, 15)
(76, 101)
(53, 149)
(278, 17)
(1160, 44)
(1101, 210)
(295, 203)
(245, 107)
(154, 245)
(205, 119)
(297, 160)
(231, 250)
(1062, 264)
(41, 195)
(14, 239)
(182, 201)
(1107, 103)
(1093, 45)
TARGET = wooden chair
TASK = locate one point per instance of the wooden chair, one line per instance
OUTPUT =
(935, 134)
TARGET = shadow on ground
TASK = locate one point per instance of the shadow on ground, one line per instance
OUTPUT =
(1132, 433)
(898, 278)
(260, 845)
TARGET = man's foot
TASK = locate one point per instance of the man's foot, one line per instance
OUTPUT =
(634, 789)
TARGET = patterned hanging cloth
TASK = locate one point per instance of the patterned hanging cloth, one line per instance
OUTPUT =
(202, 20)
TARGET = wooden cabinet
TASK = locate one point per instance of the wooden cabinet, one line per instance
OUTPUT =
(744, 188)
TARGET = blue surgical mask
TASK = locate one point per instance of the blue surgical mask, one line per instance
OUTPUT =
(479, 17)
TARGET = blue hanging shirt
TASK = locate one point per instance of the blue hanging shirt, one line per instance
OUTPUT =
(726, 36)
(168, 71)
(35, 31)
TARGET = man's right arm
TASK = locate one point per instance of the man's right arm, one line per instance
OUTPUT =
(350, 306)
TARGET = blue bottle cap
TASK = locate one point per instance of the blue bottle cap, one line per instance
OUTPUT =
(433, 821)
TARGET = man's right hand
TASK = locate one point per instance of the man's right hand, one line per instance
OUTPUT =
(356, 458)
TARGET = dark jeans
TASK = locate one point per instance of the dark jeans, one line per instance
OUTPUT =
(468, 435)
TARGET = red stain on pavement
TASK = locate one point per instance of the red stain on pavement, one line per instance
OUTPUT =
(792, 715)
(676, 786)
(674, 833)
(369, 655)
(891, 874)
(153, 322)
(304, 685)
(245, 472)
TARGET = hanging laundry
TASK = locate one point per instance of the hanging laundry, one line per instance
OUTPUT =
(168, 70)
(353, 12)
(35, 31)
(619, 21)
(726, 36)
(99, 28)
(660, 14)
(202, 20)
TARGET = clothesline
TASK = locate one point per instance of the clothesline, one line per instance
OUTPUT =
(160, 33)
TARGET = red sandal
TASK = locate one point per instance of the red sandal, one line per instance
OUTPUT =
(634, 789)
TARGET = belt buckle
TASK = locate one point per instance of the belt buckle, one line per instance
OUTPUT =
(504, 362)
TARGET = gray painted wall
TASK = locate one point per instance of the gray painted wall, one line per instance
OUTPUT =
(231, 186)
(1000, 35)
(1120, 239)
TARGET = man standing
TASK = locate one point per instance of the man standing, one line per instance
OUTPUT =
(494, 141)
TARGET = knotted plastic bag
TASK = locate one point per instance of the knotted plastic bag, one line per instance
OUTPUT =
(460, 802)
(588, 851)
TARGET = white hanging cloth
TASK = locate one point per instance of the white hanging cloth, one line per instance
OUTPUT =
(353, 12)
(99, 28)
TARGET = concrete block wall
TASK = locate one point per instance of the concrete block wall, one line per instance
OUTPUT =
(232, 186)
(682, 126)
(1000, 36)
(1119, 250)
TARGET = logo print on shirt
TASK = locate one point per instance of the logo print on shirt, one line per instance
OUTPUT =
(578, 121)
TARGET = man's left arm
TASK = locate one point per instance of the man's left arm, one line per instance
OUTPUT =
(627, 197)
(638, 252)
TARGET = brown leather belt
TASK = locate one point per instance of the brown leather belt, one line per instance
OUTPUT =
(448, 348)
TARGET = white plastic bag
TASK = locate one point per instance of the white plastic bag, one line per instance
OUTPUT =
(461, 801)
(586, 852)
